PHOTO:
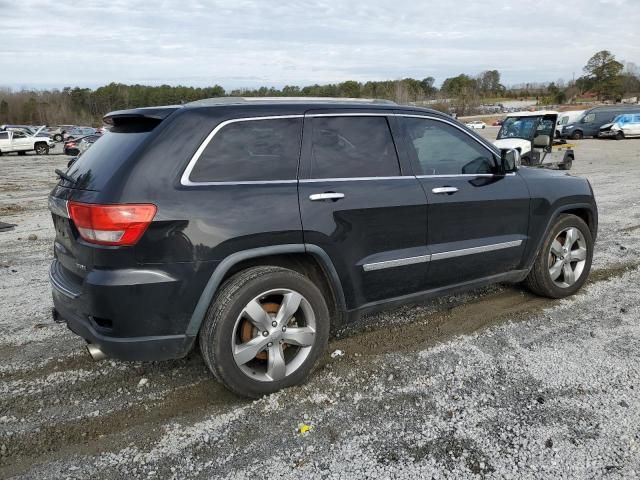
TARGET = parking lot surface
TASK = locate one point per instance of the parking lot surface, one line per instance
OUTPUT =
(495, 383)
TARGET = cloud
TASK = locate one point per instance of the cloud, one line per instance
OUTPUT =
(239, 43)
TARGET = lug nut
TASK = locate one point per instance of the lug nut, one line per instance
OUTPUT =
(274, 324)
(270, 344)
(265, 334)
(284, 329)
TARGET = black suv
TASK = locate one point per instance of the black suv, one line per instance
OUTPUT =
(254, 227)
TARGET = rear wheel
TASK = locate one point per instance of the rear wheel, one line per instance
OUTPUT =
(577, 135)
(566, 165)
(264, 330)
(57, 137)
(564, 261)
(42, 149)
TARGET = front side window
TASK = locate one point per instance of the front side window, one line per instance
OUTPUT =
(442, 149)
(589, 118)
(348, 147)
(251, 150)
(19, 135)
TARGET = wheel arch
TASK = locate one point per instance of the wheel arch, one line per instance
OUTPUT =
(585, 211)
(309, 260)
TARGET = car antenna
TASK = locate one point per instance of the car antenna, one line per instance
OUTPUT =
(61, 174)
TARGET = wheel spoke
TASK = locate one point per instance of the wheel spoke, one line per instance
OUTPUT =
(300, 336)
(556, 248)
(257, 315)
(569, 275)
(579, 254)
(290, 304)
(247, 351)
(276, 368)
(572, 236)
(556, 269)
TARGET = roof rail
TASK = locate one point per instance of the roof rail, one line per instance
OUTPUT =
(238, 100)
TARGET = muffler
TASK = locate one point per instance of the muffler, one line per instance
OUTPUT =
(95, 352)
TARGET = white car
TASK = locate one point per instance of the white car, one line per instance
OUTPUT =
(21, 143)
(476, 124)
(623, 126)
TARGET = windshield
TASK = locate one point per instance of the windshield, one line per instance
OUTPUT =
(518, 127)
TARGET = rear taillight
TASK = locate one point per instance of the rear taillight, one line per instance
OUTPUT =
(119, 225)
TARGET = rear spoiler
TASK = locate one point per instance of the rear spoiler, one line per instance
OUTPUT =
(156, 114)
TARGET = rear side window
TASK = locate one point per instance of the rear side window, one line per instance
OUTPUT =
(4, 135)
(96, 166)
(348, 147)
(251, 150)
(441, 149)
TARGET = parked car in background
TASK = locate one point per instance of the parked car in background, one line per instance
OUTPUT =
(623, 126)
(238, 240)
(86, 142)
(57, 132)
(476, 124)
(72, 147)
(567, 118)
(76, 132)
(19, 142)
(589, 123)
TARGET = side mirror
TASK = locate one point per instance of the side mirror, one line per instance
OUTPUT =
(509, 160)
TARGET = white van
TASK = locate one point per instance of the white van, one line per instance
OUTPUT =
(565, 118)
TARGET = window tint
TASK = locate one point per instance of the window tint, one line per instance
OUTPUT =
(19, 135)
(347, 147)
(442, 149)
(4, 135)
(589, 118)
(636, 119)
(254, 150)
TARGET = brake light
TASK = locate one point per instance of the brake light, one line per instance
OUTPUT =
(120, 225)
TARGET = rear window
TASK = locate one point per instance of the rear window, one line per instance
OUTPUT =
(251, 150)
(96, 166)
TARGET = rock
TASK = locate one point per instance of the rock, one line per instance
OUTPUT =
(32, 237)
(143, 382)
(337, 353)
(624, 404)
(548, 443)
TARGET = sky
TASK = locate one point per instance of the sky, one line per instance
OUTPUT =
(251, 43)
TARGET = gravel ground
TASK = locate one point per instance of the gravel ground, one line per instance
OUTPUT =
(495, 383)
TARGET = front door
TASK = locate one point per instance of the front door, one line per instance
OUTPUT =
(477, 218)
(360, 207)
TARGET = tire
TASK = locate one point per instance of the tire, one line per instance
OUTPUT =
(540, 280)
(226, 322)
(525, 161)
(620, 135)
(57, 137)
(577, 135)
(42, 149)
(566, 165)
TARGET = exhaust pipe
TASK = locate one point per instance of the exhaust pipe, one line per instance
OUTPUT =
(95, 352)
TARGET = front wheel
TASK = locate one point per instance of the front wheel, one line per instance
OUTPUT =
(619, 135)
(264, 330)
(564, 261)
(577, 135)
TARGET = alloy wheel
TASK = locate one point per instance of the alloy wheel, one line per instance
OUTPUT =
(567, 257)
(273, 335)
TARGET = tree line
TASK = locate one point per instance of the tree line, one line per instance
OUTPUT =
(604, 76)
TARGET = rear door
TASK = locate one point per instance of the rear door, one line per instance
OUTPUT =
(478, 219)
(364, 209)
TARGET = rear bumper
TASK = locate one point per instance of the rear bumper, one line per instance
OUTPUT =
(79, 307)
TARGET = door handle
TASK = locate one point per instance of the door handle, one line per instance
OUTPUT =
(325, 196)
(447, 190)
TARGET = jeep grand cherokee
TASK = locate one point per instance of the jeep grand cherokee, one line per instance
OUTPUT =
(254, 227)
